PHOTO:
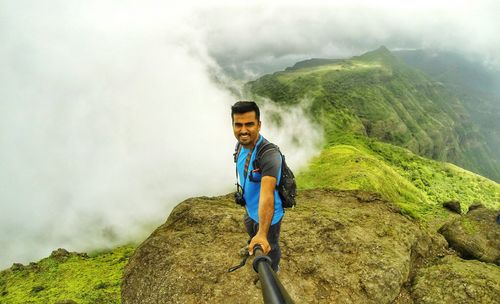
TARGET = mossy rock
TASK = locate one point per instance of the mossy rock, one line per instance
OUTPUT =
(66, 302)
(453, 206)
(457, 281)
(475, 235)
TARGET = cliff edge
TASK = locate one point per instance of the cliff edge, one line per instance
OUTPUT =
(337, 247)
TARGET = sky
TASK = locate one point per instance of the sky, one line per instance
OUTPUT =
(112, 112)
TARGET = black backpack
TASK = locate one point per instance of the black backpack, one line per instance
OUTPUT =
(287, 187)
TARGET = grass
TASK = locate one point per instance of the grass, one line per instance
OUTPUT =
(419, 186)
(321, 70)
(347, 167)
(93, 279)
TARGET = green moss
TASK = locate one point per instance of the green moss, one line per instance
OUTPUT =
(469, 225)
(95, 279)
(460, 281)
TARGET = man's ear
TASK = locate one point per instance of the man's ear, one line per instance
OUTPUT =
(259, 124)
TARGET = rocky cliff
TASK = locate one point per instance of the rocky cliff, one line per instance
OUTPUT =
(337, 246)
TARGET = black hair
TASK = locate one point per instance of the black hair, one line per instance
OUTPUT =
(244, 106)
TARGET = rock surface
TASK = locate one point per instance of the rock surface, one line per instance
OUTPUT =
(454, 280)
(62, 254)
(475, 235)
(337, 247)
(453, 206)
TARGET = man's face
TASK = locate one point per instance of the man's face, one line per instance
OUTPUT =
(246, 128)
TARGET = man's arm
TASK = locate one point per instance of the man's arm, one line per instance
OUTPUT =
(266, 213)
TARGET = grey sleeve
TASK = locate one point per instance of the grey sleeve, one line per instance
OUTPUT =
(271, 163)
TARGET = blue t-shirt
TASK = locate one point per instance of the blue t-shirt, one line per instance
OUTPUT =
(270, 166)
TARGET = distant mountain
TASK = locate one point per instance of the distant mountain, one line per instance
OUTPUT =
(477, 86)
(378, 95)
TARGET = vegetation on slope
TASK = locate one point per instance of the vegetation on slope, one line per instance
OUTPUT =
(65, 277)
(378, 96)
(477, 86)
(418, 185)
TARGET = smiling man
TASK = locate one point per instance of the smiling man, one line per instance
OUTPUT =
(257, 181)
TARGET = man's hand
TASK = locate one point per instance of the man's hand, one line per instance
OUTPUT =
(259, 240)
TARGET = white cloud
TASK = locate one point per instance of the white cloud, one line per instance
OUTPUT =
(109, 113)
(105, 124)
(109, 116)
(287, 32)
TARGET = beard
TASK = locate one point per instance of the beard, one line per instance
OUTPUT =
(247, 139)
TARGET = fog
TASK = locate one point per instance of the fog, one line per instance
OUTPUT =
(262, 38)
(112, 112)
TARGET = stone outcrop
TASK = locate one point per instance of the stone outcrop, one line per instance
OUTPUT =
(62, 254)
(475, 235)
(337, 247)
(453, 206)
(458, 281)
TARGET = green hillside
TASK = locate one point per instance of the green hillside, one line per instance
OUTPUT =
(418, 185)
(477, 86)
(379, 96)
(67, 278)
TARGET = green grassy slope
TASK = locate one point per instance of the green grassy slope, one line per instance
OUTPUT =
(379, 96)
(418, 185)
(94, 279)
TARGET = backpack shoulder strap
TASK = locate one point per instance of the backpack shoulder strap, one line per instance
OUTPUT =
(237, 150)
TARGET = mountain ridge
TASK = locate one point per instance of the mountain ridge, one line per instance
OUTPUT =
(378, 95)
(478, 87)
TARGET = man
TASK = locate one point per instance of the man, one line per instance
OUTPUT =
(263, 205)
